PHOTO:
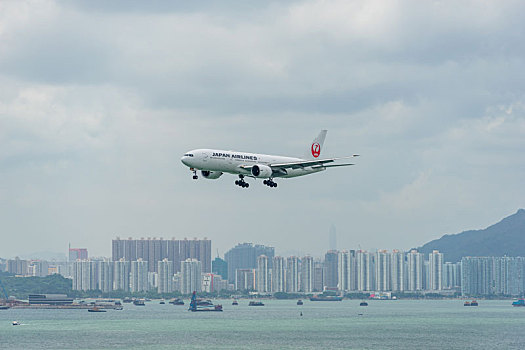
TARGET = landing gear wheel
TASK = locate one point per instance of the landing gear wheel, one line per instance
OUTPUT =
(247, 185)
(195, 177)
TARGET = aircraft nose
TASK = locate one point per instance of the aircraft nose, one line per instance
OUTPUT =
(184, 160)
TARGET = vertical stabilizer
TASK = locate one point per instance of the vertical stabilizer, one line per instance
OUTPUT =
(316, 146)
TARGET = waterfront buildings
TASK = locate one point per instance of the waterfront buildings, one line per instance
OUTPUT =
(154, 250)
(244, 256)
(307, 274)
(139, 281)
(278, 274)
(78, 254)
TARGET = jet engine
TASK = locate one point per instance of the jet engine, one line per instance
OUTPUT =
(212, 175)
(261, 171)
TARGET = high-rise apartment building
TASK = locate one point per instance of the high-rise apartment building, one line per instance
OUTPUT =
(415, 274)
(263, 282)
(307, 274)
(244, 256)
(383, 270)
(365, 271)
(343, 270)
(121, 272)
(435, 266)
(165, 276)
(493, 275)
(292, 274)
(278, 275)
(85, 275)
(245, 279)
(17, 266)
(105, 275)
(154, 250)
(191, 276)
(220, 267)
(139, 276)
(330, 269)
(398, 271)
(318, 277)
(78, 254)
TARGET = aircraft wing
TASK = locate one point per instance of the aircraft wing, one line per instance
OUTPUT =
(310, 163)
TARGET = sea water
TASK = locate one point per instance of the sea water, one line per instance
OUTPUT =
(386, 324)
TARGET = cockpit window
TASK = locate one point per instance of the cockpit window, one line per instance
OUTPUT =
(188, 155)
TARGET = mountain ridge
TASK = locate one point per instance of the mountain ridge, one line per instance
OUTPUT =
(504, 238)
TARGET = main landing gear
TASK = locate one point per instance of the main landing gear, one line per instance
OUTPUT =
(195, 177)
(270, 183)
(241, 182)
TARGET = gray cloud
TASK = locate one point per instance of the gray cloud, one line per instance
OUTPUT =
(98, 100)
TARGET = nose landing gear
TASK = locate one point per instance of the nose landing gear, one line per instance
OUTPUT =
(241, 182)
(270, 183)
(195, 177)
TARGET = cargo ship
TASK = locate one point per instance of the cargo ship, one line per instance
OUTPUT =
(194, 306)
(325, 298)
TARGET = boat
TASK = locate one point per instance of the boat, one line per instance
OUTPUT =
(139, 302)
(194, 306)
(176, 301)
(16, 323)
(363, 303)
(204, 302)
(473, 303)
(162, 302)
(235, 302)
(96, 309)
(256, 303)
(519, 302)
(127, 300)
(4, 307)
(325, 298)
(299, 302)
(466, 303)
(119, 307)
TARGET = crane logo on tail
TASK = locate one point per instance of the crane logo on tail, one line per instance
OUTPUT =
(316, 149)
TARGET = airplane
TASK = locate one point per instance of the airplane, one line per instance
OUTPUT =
(213, 163)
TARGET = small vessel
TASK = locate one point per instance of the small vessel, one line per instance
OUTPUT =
(96, 309)
(162, 302)
(16, 323)
(473, 303)
(176, 301)
(466, 303)
(519, 302)
(363, 303)
(118, 307)
(300, 302)
(127, 300)
(139, 302)
(194, 306)
(4, 307)
(235, 302)
(256, 303)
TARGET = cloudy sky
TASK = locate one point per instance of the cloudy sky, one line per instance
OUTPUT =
(99, 100)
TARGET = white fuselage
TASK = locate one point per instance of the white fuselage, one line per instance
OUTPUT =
(234, 162)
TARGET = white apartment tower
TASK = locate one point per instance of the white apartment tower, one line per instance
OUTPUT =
(435, 270)
(278, 274)
(398, 271)
(343, 270)
(415, 266)
(139, 276)
(165, 276)
(292, 274)
(382, 271)
(263, 282)
(191, 278)
(121, 275)
(307, 274)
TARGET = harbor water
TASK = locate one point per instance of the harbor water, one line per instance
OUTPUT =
(384, 324)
